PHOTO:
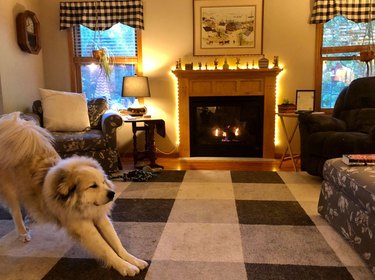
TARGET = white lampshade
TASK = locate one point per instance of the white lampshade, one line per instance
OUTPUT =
(135, 86)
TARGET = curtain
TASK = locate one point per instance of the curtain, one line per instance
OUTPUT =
(355, 10)
(101, 15)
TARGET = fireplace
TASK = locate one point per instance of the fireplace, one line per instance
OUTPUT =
(226, 126)
(232, 83)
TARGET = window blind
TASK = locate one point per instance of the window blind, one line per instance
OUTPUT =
(101, 15)
(340, 32)
(120, 41)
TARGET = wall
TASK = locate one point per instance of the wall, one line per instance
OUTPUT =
(168, 36)
(21, 73)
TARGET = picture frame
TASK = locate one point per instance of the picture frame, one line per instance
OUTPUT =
(228, 27)
(305, 100)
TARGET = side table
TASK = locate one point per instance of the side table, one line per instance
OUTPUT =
(148, 125)
(289, 138)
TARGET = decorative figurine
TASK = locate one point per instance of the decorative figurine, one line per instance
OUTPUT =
(189, 66)
(263, 62)
(216, 62)
(225, 65)
(206, 66)
(275, 61)
(200, 65)
(238, 62)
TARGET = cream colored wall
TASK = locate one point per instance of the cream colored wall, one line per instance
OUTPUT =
(21, 73)
(168, 35)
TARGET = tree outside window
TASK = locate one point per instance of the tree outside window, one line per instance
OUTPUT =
(341, 41)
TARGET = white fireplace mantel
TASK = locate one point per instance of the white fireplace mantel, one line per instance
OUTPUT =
(239, 82)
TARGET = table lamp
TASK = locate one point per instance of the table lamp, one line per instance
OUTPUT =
(135, 86)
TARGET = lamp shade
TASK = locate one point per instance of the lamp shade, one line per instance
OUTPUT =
(135, 86)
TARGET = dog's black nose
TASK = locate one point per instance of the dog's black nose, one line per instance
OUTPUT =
(110, 195)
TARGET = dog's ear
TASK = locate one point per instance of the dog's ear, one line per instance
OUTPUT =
(65, 185)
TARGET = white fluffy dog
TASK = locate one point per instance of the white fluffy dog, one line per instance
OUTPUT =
(73, 193)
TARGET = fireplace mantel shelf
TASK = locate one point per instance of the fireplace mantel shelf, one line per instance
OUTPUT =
(232, 82)
(218, 72)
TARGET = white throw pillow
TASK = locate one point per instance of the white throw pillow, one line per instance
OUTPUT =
(64, 111)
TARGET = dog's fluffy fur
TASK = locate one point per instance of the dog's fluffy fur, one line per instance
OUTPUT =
(73, 193)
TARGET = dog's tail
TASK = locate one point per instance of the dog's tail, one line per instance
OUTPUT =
(20, 140)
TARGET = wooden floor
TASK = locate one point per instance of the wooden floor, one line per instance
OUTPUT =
(239, 164)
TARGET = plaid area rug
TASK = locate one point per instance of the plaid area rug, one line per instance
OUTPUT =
(200, 225)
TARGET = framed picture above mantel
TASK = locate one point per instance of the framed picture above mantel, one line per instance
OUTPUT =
(228, 27)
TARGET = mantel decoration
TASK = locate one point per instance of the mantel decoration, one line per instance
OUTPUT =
(230, 63)
(228, 27)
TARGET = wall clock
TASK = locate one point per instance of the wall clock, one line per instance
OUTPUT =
(28, 32)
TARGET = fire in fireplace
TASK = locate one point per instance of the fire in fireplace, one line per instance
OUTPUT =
(226, 126)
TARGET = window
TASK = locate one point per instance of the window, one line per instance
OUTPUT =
(340, 41)
(123, 45)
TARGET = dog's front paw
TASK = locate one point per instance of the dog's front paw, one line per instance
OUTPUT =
(126, 269)
(25, 237)
(141, 264)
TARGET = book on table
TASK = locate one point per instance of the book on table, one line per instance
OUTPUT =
(359, 159)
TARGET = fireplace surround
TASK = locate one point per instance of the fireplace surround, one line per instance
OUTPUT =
(227, 83)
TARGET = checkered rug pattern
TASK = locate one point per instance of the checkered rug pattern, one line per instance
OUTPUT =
(200, 224)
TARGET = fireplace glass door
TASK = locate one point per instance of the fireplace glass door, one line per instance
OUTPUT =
(226, 126)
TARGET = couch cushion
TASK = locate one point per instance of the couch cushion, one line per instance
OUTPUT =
(97, 107)
(71, 142)
(64, 111)
(359, 119)
(331, 144)
(357, 182)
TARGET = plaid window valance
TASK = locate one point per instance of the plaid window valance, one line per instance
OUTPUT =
(355, 10)
(101, 15)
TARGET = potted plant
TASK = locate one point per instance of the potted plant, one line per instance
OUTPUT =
(104, 60)
(286, 107)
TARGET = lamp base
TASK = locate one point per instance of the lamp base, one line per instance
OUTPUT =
(137, 112)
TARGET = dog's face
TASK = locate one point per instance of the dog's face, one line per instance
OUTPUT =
(84, 186)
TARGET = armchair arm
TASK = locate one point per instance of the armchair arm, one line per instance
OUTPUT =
(111, 120)
(32, 117)
(310, 123)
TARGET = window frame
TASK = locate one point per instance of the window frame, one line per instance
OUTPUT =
(77, 62)
(319, 52)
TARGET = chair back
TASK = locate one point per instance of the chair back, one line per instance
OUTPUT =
(96, 108)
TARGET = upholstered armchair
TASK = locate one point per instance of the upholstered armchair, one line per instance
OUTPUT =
(98, 142)
(350, 129)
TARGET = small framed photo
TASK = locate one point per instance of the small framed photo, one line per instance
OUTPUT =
(305, 100)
